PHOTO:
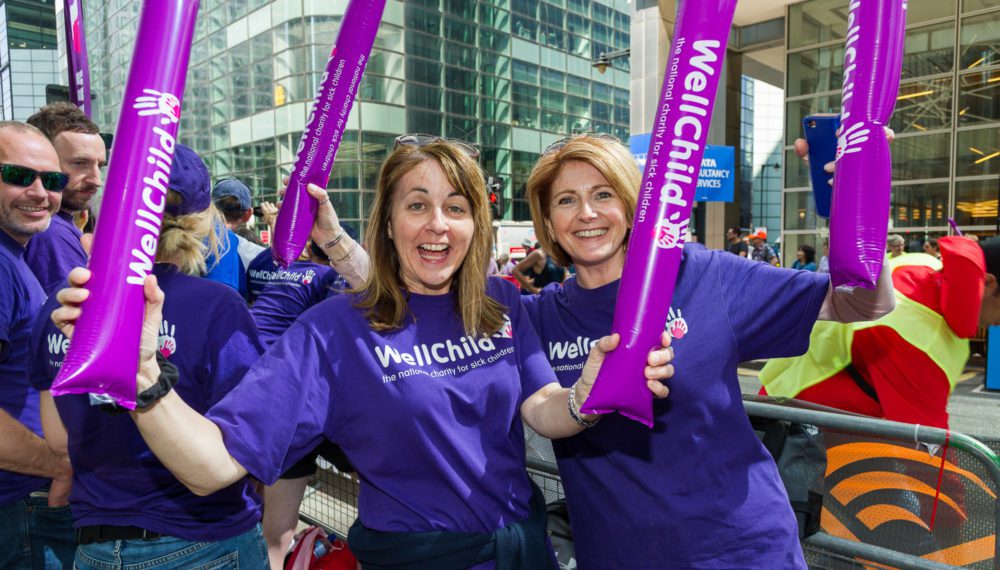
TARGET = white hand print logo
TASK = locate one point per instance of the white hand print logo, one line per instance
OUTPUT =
(308, 277)
(850, 140)
(676, 325)
(670, 233)
(506, 330)
(166, 343)
(156, 103)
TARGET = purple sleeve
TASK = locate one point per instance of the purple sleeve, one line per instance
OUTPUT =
(771, 310)
(45, 340)
(52, 254)
(536, 371)
(7, 301)
(278, 412)
(237, 346)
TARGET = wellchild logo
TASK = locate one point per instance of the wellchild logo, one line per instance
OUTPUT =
(157, 103)
(166, 343)
(446, 352)
(670, 233)
(58, 344)
(308, 278)
(850, 140)
(677, 327)
(506, 330)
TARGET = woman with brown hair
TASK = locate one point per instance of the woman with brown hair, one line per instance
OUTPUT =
(423, 377)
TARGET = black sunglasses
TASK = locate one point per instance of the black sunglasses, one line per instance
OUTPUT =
(23, 176)
(420, 139)
(563, 142)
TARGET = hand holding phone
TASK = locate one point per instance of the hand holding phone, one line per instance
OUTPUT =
(821, 134)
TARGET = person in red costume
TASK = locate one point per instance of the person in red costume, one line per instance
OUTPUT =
(904, 366)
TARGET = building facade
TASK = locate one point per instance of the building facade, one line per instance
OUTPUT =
(511, 76)
(28, 56)
(946, 157)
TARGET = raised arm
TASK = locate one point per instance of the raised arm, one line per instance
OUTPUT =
(187, 443)
(547, 411)
(529, 261)
(347, 257)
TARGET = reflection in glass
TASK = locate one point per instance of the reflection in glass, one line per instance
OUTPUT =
(929, 50)
(816, 22)
(980, 42)
(976, 203)
(979, 97)
(923, 156)
(978, 152)
(919, 205)
(923, 106)
(815, 70)
(800, 210)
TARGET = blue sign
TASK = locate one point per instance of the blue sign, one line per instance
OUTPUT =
(993, 359)
(715, 181)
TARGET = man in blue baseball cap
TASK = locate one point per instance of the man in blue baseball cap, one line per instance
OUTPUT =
(232, 199)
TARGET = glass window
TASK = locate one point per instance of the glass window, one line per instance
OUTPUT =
(978, 152)
(423, 45)
(460, 9)
(979, 97)
(525, 94)
(347, 204)
(800, 211)
(461, 128)
(425, 21)
(552, 37)
(381, 89)
(796, 171)
(795, 111)
(525, 116)
(526, 7)
(553, 79)
(494, 64)
(496, 87)
(602, 14)
(553, 101)
(577, 86)
(376, 146)
(494, 110)
(553, 121)
(423, 97)
(980, 41)
(459, 78)
(460, 103)
(461, 55)
(525, 72)
(525, 27)
(929, 50)
(493, 40)
(922, 106)
(495, 135)
(816, 22)
(493, 17)
(551, 15)
(922, 156)
(424, 71)
(972, 5)
(815, 70)
(926, 10)
(463, 31)
(919, 205)
(578, 106)
(418, 121)
(976, 203)
(579, 6)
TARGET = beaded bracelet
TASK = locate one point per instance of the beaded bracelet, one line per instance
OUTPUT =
(576, 414)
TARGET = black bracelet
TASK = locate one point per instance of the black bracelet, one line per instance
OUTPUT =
(169, 374)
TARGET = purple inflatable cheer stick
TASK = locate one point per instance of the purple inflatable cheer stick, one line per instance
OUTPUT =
(859, 213)
(664, 205)
(76, 55)
(325, 126)
(954, 227)
(103, 357)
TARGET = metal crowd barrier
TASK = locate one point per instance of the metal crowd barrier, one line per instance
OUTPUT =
(973, 483)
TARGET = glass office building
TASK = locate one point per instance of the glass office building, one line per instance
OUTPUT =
(511, 76)
(946, 157)
(28, 56)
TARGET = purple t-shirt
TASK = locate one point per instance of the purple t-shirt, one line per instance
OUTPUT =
(698, 490)
(429, 416)
(52, 254)
(208, 334)
(297, 288)
(20, 298)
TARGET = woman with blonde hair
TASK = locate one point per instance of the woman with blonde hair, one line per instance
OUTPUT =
(699, 489)
(423, 377)
(129, 510)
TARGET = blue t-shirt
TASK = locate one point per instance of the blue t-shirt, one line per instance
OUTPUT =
(698, 490)
(429, 416)
(52, 254)
(208, 334)
(293, 290)
(228, 268)
(20, 298)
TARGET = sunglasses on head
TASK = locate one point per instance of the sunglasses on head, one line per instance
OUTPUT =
(563, 142)
(23, 176)
(419, 139)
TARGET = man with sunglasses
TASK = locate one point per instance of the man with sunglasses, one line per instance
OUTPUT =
(82, 154)
(36, 527)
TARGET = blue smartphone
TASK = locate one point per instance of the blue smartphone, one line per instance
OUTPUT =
(821, 134)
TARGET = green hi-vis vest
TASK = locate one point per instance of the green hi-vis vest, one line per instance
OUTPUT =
(830, 348)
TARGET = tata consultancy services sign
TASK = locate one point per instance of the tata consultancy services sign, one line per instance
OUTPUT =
(715, 181)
